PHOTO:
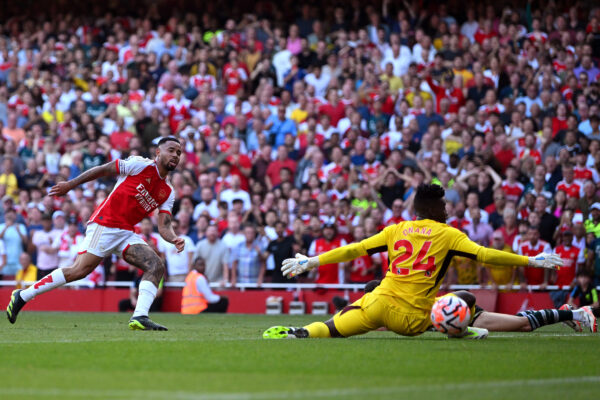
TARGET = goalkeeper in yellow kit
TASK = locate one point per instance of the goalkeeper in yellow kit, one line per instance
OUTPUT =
(419, 252)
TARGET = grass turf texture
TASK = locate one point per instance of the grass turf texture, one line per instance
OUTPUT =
(95, 356)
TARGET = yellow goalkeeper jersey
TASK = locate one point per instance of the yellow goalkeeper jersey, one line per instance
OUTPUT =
(420, 253)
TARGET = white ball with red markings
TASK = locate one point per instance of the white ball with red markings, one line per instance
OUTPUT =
(450, 315)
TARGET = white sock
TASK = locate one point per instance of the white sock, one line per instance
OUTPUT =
(49, 282)
(579, 315)
(146, 295)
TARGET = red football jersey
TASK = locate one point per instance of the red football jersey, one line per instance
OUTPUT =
(178, 111)
(513, 191)
(139, 191)
(534, 276)
(458, 223)
(360, 269)
(566, 274)
(327, 273)
(571, 189)
(583, 174)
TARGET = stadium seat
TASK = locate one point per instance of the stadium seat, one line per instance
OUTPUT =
(297, 307)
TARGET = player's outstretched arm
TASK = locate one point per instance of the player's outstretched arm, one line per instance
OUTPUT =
(165, 229)
(62, 188)
(492, 256)
(295, 266)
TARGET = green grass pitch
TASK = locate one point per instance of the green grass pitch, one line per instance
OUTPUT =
(95, 356)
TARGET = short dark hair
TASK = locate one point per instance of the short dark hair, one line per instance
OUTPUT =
(429, 202)
(584, 272)
(168, 139)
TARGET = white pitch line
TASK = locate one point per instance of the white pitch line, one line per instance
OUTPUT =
(125, 339)
(296, 394)
(494, 335)
(542, 334)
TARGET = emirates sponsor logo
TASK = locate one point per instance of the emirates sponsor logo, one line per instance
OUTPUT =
(145, 199)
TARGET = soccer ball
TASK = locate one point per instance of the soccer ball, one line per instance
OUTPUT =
(450, 315)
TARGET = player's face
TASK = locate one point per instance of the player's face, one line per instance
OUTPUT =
(169, 154)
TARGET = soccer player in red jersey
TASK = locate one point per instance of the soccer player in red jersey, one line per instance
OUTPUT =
(140, 189)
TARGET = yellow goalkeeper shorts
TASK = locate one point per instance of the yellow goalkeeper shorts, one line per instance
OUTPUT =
(373, 311)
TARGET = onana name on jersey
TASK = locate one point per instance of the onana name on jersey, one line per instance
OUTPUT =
(423, 231)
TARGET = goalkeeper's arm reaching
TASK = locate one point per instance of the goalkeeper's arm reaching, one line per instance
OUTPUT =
(429, 204)
(295, 266)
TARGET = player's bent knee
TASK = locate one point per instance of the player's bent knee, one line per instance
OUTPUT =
(468, 297)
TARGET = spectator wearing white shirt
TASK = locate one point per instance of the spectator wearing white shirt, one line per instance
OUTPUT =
(418, 54)
(470, 26)
(235, 192)
(2, 257)
(281, 61)
(473, 204)
(68, 244)
(318, 80)
(110, 65)
(216, 255)
(47, 254)
(529, 100)
(234, 235)
(178, 263)
(208, 203)
(399, 56)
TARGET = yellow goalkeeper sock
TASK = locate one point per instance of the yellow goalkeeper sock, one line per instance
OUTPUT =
(317, 330)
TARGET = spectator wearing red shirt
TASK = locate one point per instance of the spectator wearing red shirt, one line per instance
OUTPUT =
(179, 109)
(484, 32)
(328, 273)
(530, 150)
(511, 187)
(531, 247)
(581, 172)
(334, 108)
(568, 184)
(559, 122)
(510, 228)
(119, 140)
(565, 276)
(240, 163)
(458, 220)
(234, 75)
(447, 91)
(272, 178)
(362, 269)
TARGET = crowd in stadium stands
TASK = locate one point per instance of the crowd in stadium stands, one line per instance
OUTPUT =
(305, 127)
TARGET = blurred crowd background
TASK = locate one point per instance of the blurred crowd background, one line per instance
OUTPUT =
(306, 125)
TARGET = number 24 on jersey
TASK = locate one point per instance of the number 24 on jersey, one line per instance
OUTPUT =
(422, 261)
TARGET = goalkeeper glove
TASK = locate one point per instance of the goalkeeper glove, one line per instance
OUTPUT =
(295, 266)
(546, 260)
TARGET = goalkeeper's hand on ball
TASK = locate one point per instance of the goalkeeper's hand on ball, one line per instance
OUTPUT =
(295, 266)
(546, 260)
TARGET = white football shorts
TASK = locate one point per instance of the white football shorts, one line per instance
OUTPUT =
(102, 241)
